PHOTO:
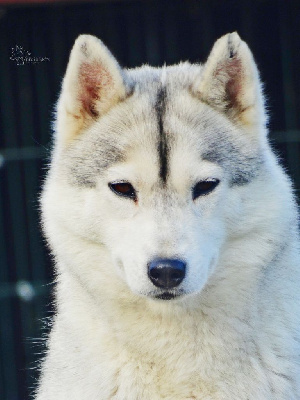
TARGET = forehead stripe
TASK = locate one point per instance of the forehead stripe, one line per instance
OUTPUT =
(160, 106)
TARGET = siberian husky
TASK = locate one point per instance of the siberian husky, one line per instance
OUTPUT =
(175, 234)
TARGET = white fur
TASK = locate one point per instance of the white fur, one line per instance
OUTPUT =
(234, 335)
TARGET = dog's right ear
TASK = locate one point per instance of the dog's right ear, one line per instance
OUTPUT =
(92, 85)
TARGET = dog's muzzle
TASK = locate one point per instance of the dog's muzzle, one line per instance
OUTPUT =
(166, 273)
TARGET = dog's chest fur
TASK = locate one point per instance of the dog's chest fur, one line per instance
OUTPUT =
(137, 353)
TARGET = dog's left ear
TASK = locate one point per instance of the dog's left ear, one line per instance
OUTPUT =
(230, 82)
(92, 85)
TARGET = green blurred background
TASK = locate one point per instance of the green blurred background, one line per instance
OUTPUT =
(137, 32)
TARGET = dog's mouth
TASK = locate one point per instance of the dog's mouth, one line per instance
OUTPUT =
(167, 295)
(171, 294)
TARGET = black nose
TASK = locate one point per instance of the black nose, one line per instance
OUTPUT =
(166, 273)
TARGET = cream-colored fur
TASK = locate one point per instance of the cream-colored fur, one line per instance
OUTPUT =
(234, 333)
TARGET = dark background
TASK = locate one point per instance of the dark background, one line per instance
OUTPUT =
(137, 32)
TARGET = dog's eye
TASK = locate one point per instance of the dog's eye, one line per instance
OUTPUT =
(204, 187)
(124, 189)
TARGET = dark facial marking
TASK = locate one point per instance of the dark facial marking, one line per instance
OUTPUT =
(243, 167)
(160, 107)
(86, 162)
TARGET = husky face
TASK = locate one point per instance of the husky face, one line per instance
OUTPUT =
(150, 158)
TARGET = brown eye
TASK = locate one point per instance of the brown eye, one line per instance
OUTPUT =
(124, 189)
(204, 187)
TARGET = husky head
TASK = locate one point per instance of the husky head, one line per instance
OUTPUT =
(151, 167)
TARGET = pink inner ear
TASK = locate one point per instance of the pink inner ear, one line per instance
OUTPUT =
(94, 83)
(234, 85)
(233, 70)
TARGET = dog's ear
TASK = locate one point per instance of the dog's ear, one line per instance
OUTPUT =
(92, 85)
(230, 82)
